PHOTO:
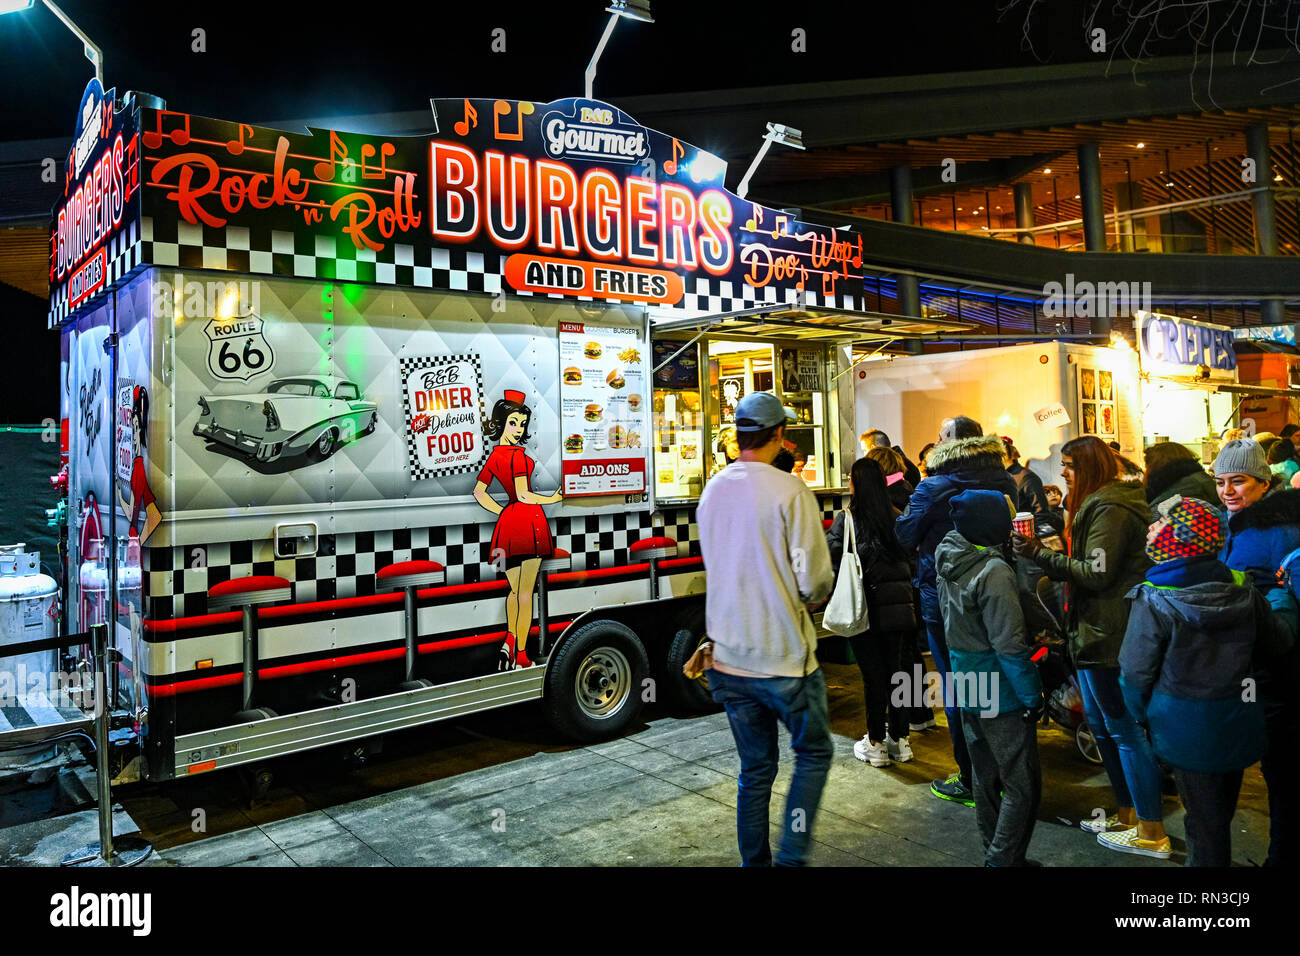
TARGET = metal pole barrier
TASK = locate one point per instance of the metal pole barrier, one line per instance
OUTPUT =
(129, 851)
(250, 654)
(411, 632)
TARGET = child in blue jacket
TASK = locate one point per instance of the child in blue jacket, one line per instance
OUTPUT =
(1195, 630)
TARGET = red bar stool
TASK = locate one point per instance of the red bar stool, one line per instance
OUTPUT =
(560, 560)
(247, 595)
(409, 577)
(653, 550)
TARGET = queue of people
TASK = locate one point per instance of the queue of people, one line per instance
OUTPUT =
(1179, 625)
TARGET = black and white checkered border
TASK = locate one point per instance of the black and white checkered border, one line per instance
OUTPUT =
(178, 578)
(415, 363)
(125, 253)
(266, 251)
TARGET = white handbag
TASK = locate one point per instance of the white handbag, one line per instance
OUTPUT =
(846, 613)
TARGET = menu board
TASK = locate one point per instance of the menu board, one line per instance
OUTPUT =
(602, 408)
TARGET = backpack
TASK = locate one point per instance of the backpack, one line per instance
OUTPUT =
(846, 614)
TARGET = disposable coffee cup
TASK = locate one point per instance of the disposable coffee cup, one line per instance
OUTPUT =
(1023, 524)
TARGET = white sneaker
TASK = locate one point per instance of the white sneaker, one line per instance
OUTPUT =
(899, 749)
(923, 725)
(875, 754)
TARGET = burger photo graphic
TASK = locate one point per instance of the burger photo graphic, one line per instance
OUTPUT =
(592, 350)
(573, 375)
(615, 379)
(593, 412)
(573, 444)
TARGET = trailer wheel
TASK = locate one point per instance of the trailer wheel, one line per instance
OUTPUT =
(692, 696)
(594, 681)
(374, 421)
(325, 445)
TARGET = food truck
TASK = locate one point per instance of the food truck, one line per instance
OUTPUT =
(370, 431)
(1040, 395)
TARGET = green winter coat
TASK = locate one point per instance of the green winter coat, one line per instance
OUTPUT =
(1107, 559)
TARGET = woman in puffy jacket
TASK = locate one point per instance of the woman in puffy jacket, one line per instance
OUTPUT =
(1107, 535)
(887, 582)
(1263, 531)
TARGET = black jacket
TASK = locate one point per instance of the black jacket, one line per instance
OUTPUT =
(1186, 478)
(886, 578)
(1029, 490)
(911, 473)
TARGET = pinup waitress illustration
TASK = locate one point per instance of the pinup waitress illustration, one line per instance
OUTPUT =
(522, 534)
(141, 502)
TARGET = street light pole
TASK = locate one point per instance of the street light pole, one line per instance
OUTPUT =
(93, 53)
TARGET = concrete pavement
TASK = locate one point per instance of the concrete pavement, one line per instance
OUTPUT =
(498, 789)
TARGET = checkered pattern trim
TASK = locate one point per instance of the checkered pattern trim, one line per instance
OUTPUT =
(126, 253)
(419, 363)
(345, 565)
(269, 251)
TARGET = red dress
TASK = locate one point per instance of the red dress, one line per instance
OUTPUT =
(521, 530)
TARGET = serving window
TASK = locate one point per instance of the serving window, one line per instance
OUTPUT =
(695, 399)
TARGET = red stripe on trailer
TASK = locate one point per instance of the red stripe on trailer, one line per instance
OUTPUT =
(328, 663)
(436, 595)
(324, 608)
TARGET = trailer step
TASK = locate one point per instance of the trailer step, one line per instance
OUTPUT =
(290, 733)
(34, 717)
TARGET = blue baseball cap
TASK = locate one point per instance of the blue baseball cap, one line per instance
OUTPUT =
(762, 408)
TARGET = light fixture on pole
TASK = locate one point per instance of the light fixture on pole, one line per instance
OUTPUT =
(93, 53)
(632, 10)
(776, 133)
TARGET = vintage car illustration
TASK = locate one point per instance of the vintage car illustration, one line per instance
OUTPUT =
(309, 416)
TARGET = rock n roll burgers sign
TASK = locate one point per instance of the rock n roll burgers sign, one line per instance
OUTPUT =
(571, 198)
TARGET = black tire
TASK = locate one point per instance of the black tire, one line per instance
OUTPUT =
(370, 428)
(690, 696)
(324, 446)
(574, 701)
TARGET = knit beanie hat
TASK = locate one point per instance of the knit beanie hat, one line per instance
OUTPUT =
(1194, 529)
(982, 517)
(1242, 456)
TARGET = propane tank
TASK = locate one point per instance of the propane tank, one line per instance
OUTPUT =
(27, 598)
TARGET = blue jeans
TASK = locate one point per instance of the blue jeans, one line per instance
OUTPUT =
(754, 705)
(1125, 751)
(939, 651)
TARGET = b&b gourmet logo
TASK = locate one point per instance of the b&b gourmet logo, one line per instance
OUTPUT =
(595, 132)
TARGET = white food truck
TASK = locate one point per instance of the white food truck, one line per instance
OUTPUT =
(372, 431)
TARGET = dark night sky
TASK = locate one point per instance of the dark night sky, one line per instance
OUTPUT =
(273, 60)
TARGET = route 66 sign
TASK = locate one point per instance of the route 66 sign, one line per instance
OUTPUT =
(237, 348)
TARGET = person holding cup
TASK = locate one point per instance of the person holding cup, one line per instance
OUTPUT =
(1106, 533)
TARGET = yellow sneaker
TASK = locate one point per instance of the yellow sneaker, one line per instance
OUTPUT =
(1127, 841)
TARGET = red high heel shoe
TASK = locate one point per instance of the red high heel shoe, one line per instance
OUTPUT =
(507, 661)
(521, 659)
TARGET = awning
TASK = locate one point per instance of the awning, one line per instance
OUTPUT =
(1232, 388)
(785, 321)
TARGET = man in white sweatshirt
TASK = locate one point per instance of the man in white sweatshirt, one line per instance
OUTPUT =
(768, 565)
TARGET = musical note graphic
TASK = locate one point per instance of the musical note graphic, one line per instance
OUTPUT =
(463, 126)
(501, 108)
(338, 150)
(756, 219)
(235, 147)
(670, 165)
(180, 136)
(369, 172)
